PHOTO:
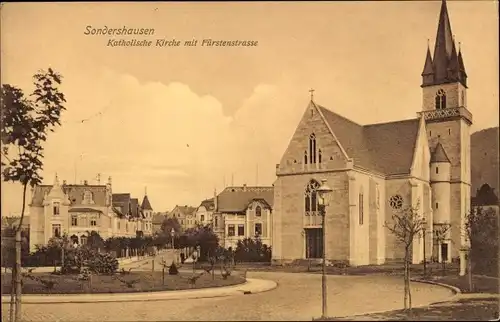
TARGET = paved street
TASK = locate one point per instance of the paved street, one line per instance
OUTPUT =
(298, 297)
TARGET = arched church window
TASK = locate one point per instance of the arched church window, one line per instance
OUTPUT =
(311, 200)
(312, 148)
(440, 99)
(396, 202)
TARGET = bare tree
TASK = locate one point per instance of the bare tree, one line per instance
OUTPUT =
(407, 224)
(440, 233)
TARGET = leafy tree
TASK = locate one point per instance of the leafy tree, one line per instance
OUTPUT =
(406, 225)
(481, 232)
(168, 224)
(25, 123)
(95, 241)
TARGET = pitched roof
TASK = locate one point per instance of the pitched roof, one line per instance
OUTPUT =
(439, 154)
(208, 204)
(121, 201)
(74, 192)
(237, 199)
(146, 205)
(184, 210)
(158, 219)
(384, 147)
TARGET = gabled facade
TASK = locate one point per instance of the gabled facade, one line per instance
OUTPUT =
(79, 209)
(185, 216)
(243, 212)
(375, 170)
(204, 212)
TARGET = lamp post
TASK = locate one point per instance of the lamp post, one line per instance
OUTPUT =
(172, 234)
(195, 255)
(424, 228)
(323, 193)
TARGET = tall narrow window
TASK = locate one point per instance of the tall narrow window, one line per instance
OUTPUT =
(449, 131)
(56, 230)
(57, 205)
(437, 205)
(311, 202)
(437, 170)
(312, 148)
(305, 157)
(74, 220)
(463, 98)
(258, 211)
(258, 229)
(361, 208)
(319, 156)
(440, 99)
(230, 230)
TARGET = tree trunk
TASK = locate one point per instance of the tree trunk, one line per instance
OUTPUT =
(12, 290)
(409, 287)
(18, 259)
(469, 269)
(405, 280)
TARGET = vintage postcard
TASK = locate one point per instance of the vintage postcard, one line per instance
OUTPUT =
(246, 161)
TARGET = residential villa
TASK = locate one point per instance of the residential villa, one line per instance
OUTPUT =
(184, 215)
(243, 212)
(204, 212)
(78, 209)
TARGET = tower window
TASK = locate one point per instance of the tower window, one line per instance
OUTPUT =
(430, 133)
(440, 99)
(437, 205)
(437, 170)
(463, 98)
(319, 156)
(312, 148)
(305, 157)
(449, 131)
(361, 208)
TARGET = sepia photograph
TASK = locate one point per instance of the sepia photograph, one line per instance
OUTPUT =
(250, 161)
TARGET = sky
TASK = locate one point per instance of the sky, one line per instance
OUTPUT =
(185, 121)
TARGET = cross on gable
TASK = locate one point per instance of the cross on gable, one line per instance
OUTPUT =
(312, 93)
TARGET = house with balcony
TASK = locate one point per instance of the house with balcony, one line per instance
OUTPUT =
(76, 210)
(243, 212)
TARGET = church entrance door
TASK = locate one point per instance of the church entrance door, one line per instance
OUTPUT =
(314, 243)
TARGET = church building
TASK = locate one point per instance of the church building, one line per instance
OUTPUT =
(376, 169)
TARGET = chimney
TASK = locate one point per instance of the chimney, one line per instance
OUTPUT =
(85, 182)
(215, 200)
(244, 187)
(109, 180)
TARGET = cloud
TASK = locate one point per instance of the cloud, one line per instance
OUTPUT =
(167, 137)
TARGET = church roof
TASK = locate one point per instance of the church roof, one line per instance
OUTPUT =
(439, 154)
(237, 199)
(146, 205)
(386, 148)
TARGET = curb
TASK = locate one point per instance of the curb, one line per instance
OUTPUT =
(251, 286)
(456, 294)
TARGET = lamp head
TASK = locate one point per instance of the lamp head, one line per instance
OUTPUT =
(323, 192)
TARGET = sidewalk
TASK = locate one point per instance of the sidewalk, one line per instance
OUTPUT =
(252, 286)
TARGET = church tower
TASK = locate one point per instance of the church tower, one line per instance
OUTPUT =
(448, 121)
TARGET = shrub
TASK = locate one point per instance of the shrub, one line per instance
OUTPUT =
(173, 269)
(103, 263)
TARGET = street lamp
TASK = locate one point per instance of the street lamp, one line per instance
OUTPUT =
(424, 228)
(172, 234)
(323, 195)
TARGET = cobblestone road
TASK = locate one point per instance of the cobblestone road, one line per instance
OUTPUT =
(298, 297)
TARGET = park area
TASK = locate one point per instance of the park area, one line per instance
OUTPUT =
(49, 283)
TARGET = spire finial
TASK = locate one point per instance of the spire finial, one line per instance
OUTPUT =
(145, 190)
(312, 93)
(428, 43)
(459, 46)
(56, 180)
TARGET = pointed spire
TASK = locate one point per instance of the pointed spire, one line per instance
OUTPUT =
(453, 64)
(146, 205)
(444, 44)
(439, 154)
(56, 180)
(429, 66)
(461, 66)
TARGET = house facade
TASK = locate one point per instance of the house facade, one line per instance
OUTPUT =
(76, 210)
(184, 215)
(204, 212)
(243, 212)
(376, 170)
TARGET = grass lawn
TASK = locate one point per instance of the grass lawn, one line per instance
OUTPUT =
(144, 282)
(462, 310)
(481, 284)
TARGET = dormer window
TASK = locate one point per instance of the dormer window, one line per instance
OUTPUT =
(258, 211)
(440, 100)
(87, 198)
(56, 208)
